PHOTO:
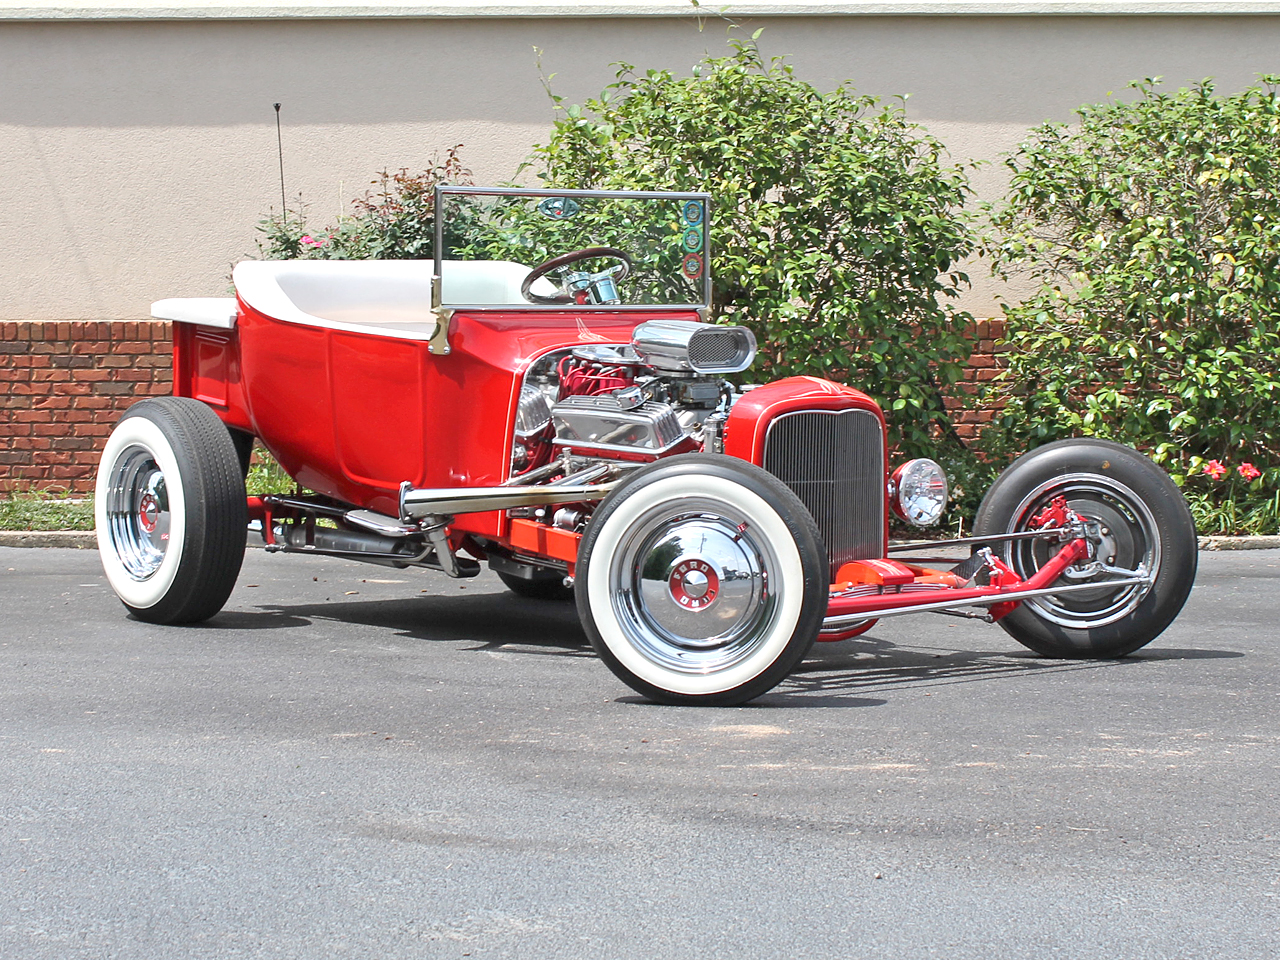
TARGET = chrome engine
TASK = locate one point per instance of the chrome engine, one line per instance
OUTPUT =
(618, 406)
(663, 393)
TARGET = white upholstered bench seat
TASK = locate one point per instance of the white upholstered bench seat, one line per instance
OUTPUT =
(390, 297)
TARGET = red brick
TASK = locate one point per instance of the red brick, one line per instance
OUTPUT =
(51, 375)
(131, 347)
(94, 403)
(134, 376)
(53, 403)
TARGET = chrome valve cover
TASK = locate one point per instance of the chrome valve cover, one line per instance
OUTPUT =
(601, 424)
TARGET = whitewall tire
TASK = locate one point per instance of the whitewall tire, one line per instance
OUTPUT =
(170, 511)
(702, 580)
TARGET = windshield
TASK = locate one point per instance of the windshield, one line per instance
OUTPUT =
(572, 248)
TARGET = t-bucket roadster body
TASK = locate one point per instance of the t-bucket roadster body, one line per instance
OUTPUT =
(571, 425)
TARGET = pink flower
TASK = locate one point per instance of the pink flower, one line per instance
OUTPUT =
(1215, 469)
(1248, 471)
(310, 241)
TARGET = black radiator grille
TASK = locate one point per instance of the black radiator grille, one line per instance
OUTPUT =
(835, 464)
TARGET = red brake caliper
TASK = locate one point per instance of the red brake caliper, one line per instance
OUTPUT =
(1056, 514)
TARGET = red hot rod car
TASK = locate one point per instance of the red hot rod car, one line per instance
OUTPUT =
(571, 424)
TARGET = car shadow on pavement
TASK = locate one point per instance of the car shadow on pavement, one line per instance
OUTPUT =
(867, 664)
(833, 675)
(488, 620)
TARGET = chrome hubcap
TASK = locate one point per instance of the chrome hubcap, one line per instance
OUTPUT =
(691, 588)
(1127, 546)
(138, 515)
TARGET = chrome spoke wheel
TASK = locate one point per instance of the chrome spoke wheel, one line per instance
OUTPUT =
(1139, 527)
(138, 516)
(1128, 540)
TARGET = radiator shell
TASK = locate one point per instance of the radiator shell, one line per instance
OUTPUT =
(826, 442)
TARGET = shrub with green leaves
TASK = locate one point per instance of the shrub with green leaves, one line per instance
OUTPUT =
(394, 222)
(1153, 228)
(835, 222)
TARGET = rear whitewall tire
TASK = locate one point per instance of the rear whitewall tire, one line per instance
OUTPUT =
(135, 436)
(771, 622)
(170, 511)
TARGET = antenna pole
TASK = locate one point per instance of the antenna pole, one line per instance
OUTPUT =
(284, 204)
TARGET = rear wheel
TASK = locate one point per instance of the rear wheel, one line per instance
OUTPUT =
(702, 580)
(1146, 529)
(170, 511)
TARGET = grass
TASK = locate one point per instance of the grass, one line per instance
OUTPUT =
(53, 510)
(41, 510)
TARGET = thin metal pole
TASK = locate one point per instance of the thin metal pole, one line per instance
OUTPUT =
(284, 204)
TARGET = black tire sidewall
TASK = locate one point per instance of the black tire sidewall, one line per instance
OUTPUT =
(788, 508)
(1173, 524)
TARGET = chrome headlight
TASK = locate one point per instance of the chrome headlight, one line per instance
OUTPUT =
(918, 492)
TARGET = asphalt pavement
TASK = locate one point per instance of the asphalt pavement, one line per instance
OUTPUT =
(351, 761)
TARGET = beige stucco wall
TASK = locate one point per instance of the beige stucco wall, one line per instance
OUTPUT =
(136, 157)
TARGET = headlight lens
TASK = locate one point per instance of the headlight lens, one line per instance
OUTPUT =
(918, 492)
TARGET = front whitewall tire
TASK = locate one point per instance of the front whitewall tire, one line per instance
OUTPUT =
(702, 580)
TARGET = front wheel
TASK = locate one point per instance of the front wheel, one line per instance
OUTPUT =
(170, 511)
(1145, 530)
(702, 579)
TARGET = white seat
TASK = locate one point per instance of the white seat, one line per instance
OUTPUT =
(391, 297)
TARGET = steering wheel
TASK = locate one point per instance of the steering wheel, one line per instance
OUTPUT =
(580, 282)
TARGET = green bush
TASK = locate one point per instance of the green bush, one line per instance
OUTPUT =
(1153, 229)
(394, 222)
(835, 222)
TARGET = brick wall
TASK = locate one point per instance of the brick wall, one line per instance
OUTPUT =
(62, 387)
(984, 364)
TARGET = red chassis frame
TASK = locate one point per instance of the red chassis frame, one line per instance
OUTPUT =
(352, 415)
